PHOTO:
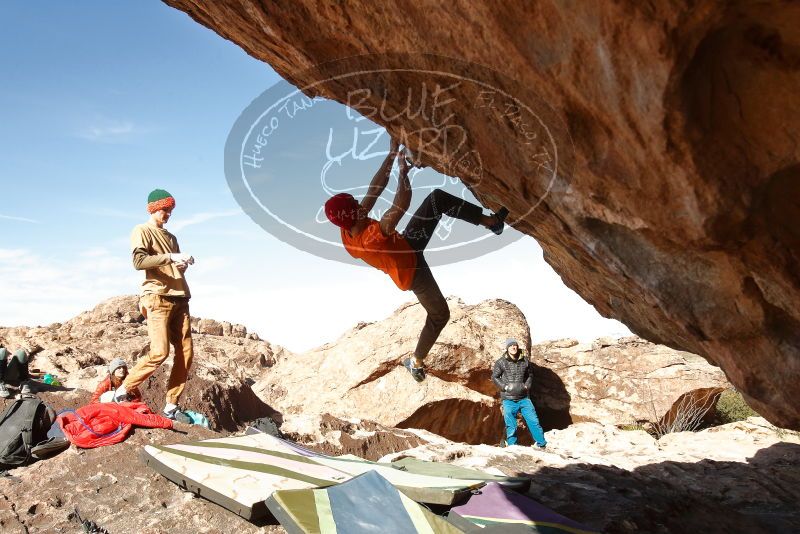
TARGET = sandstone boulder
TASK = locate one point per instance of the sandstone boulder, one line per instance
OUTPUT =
(668, 135)
(211, 327)
(79, 348)
(227, 401)
(227, 328)
(609, 381)
(614, 381)
(359, 375)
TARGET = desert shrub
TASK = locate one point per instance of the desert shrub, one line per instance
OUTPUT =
(731, 407)
(631, 427)
(688, 414)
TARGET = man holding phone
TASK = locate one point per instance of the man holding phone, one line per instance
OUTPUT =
(164, 301)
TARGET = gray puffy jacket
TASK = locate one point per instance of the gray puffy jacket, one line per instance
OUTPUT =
(514, 378)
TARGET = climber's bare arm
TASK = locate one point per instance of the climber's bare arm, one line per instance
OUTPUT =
(380, 179)
(402, 199)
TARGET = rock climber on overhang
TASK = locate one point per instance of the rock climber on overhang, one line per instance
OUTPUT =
(401, 256)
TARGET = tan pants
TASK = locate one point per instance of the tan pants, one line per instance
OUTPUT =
(168, 323)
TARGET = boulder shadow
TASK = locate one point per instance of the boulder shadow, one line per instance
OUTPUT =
(41, 387)
(757, 496)
(228, 407)
(550, 398)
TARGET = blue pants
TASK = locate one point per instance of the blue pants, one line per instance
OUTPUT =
(510, 410)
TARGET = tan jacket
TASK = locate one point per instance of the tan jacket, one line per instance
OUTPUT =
(151, 248)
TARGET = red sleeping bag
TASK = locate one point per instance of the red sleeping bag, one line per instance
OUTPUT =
(96, 425)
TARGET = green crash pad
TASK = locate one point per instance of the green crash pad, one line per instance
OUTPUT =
(439, 469)
(366, 504)
(241, 472)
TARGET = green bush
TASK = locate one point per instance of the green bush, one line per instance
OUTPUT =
(731, 407)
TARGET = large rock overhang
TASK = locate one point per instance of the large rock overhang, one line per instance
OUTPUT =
(675, 202)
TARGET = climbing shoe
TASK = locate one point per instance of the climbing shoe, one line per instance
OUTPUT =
(417, 373)
(501, 215)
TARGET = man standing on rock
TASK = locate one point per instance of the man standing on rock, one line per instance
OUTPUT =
(401, 255)
(513, 376)
(164, 301)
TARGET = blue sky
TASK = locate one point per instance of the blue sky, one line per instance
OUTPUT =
(100, 102)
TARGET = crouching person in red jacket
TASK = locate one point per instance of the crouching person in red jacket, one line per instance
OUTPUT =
(117, 371)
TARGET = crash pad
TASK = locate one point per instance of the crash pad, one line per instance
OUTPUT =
(500, 509)
(241, 472)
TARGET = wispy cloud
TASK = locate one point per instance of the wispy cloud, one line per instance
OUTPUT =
(20, 219)
(202, 217)
(94, 252)
(40, 289)
(110, 212)
(12, 253)
(110, 131)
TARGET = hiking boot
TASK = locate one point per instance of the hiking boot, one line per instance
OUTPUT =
(177, 415)
(540, 446)
(4, 393)
(417, 373)
(501, 215)
(25, 390)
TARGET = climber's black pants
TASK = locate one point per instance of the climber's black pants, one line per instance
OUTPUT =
(418, 233)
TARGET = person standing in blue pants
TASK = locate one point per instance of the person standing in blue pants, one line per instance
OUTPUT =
(513, 376)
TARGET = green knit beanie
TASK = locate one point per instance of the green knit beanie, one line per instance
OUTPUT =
(158, 199)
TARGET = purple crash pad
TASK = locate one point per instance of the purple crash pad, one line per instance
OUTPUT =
(495, 506)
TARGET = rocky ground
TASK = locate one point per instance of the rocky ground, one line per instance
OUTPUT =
(742, 475)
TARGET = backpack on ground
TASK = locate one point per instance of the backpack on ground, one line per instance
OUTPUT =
(23, 425)
(266, 425)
